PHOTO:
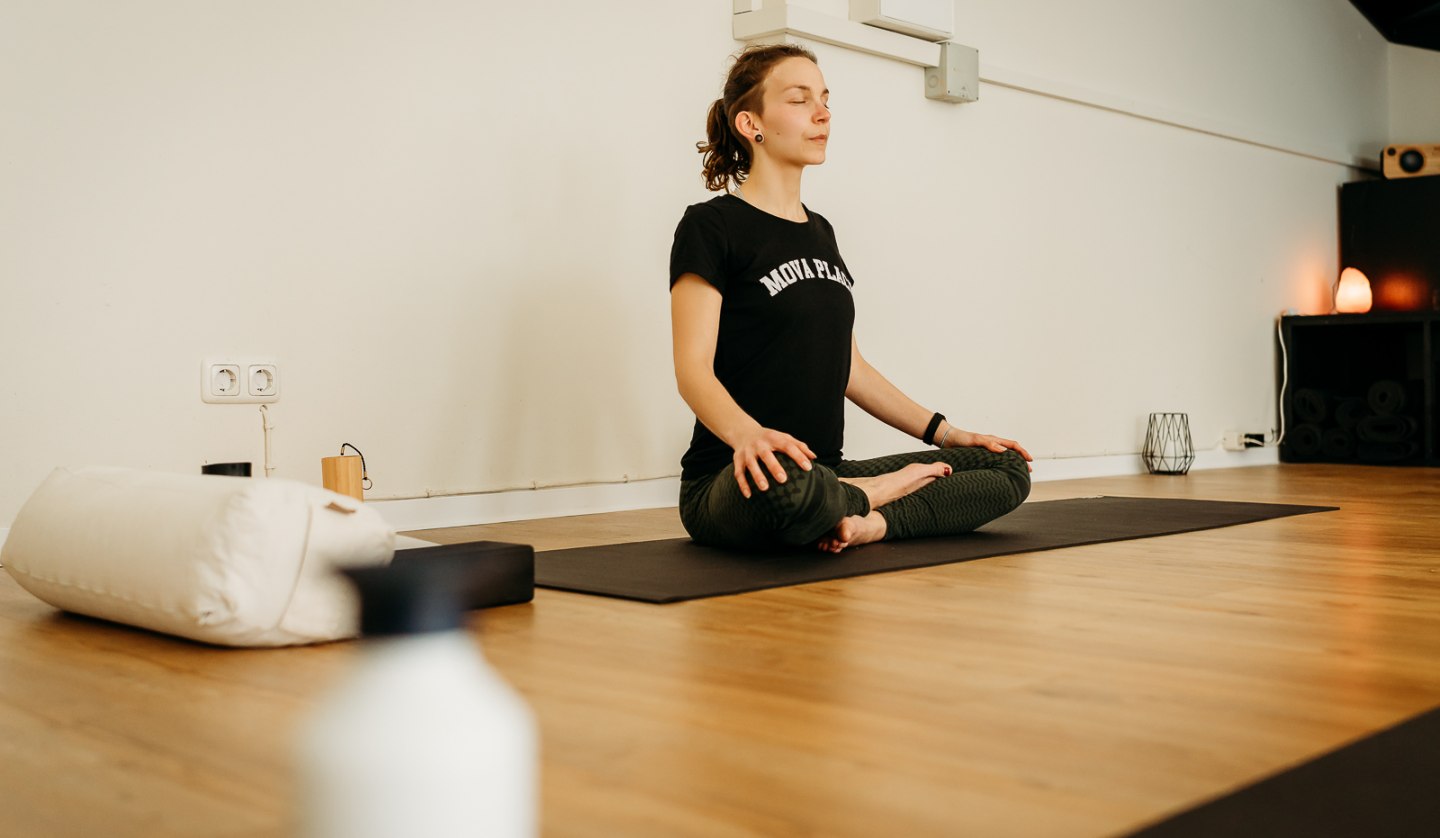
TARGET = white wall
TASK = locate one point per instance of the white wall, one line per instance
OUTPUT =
(1414, 95)
(453, 229)
(1300, 74)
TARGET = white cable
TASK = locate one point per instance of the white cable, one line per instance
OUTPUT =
(1284, 376)
(266, 428)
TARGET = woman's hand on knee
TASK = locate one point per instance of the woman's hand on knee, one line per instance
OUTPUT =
(755, 455)
(990, 442)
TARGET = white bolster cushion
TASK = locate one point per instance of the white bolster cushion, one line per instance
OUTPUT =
(233, 561)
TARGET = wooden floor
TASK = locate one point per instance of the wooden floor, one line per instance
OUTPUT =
(1084, 691)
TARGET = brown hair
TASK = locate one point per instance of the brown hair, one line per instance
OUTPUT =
(727, 154)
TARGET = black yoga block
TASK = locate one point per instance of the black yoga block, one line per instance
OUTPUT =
(504, 573)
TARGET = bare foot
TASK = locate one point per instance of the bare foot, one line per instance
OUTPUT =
(895, 485)
(854, 531)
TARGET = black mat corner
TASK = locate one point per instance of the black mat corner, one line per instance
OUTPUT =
(1386, 785)
(676, 569)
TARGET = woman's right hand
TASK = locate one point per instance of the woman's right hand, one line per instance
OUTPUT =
(755, 454)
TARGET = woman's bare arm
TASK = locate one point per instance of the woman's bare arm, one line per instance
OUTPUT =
(878, 397)
(695, 326)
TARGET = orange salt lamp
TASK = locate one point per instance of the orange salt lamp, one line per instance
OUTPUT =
(1352, 292)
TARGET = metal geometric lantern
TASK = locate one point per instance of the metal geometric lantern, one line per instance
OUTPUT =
(1168, 447)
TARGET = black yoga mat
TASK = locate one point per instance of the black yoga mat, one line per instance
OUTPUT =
(1387, 784)
(677, 569)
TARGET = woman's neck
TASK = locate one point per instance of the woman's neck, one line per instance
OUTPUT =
(774, 191)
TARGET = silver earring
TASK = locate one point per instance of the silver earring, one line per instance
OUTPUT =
(759, 138)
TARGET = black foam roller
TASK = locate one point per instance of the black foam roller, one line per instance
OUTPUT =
(1309, 405)
(1386, 428)
(1349, 412)
(1338, 444)
(1305, 441)
(1386, 452)
(1388, 398)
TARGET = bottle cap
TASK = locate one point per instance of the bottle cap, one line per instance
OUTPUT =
(413, 597)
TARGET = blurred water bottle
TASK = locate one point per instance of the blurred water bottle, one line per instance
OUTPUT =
(424, 739)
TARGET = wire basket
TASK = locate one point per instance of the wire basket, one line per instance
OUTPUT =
(1168, 446)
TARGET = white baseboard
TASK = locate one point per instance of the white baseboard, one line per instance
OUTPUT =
(528, 504)
(1116, 465)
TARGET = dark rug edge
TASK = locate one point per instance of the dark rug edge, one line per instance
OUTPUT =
(1285, 802)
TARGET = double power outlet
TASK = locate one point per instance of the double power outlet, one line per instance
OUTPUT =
(239, 379)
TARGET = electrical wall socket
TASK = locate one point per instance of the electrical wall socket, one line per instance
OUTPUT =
(1240, 440)
(239, 379)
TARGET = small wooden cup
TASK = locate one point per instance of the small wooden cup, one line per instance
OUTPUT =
(343, 475)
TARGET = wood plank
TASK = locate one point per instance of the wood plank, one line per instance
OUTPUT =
(1082, 691)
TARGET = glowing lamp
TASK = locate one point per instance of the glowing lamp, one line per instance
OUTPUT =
(1352, 292)
(1402, 292)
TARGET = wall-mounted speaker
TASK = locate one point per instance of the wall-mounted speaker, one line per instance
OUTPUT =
(1410, 160)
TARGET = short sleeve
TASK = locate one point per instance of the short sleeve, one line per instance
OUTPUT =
(830, 231)
(700, 246)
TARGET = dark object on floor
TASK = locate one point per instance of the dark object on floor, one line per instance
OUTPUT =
(678, 569)
(1387, 784)
(1168, 447)
(507, 577)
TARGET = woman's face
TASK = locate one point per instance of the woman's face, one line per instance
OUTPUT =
(796, 120)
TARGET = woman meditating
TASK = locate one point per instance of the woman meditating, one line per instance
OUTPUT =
(765, 356)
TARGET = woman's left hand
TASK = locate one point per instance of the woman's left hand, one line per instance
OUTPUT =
(990, 442)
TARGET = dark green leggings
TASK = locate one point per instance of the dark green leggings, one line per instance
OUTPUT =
(983, 486)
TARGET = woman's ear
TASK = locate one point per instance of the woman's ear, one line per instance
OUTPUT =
(746, 125)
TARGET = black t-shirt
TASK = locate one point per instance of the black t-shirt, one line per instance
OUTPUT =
(783, 351)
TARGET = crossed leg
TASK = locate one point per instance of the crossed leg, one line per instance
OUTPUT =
(899, 496)
(854, 530)
(980, 487)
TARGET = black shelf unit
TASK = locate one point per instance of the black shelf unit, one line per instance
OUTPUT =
(1339, 357)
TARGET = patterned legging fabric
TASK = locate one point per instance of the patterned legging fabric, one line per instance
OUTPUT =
(982, 486)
